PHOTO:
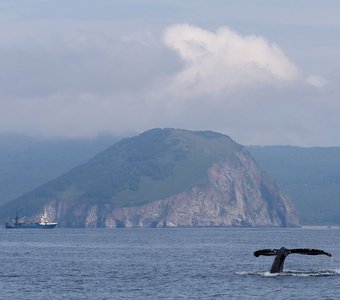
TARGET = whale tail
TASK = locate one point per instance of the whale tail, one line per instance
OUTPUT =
(266, 252)
(281, 254)
(306, 251)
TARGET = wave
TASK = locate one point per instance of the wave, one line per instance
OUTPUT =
(294, 273)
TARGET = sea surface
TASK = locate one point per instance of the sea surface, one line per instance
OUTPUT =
(165, 264)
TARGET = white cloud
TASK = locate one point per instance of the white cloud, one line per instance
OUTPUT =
(224, 60)
(316, 81)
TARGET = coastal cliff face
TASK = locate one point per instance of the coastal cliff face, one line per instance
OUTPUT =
(237, 194)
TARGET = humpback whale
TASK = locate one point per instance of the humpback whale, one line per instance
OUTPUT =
(281, 254)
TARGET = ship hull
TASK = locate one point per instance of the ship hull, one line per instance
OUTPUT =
(31, 226)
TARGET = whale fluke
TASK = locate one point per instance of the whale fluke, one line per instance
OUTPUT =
(266, 252)
(308, 251)
(281, 254)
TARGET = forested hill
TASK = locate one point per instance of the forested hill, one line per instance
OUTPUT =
(311, 176)
(28, 162)
(162, 177)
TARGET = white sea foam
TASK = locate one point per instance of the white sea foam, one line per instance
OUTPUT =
(294, 273)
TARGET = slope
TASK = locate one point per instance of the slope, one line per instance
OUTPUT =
(28, 162)
(310, 176)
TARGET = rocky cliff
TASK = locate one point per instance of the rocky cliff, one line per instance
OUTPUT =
(225, 188)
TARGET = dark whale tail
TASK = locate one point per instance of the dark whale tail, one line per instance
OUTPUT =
(281, 254)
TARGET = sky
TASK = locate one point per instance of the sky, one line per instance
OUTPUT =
(264, 72)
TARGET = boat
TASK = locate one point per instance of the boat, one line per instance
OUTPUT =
(19, 223)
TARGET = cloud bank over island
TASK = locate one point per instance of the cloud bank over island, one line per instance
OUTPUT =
(75, 76)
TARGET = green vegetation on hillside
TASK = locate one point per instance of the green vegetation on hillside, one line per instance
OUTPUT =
(310, 176)
(27, 162)
(125, 174)
(175, 159)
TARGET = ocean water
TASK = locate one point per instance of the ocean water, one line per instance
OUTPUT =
(165, 264)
